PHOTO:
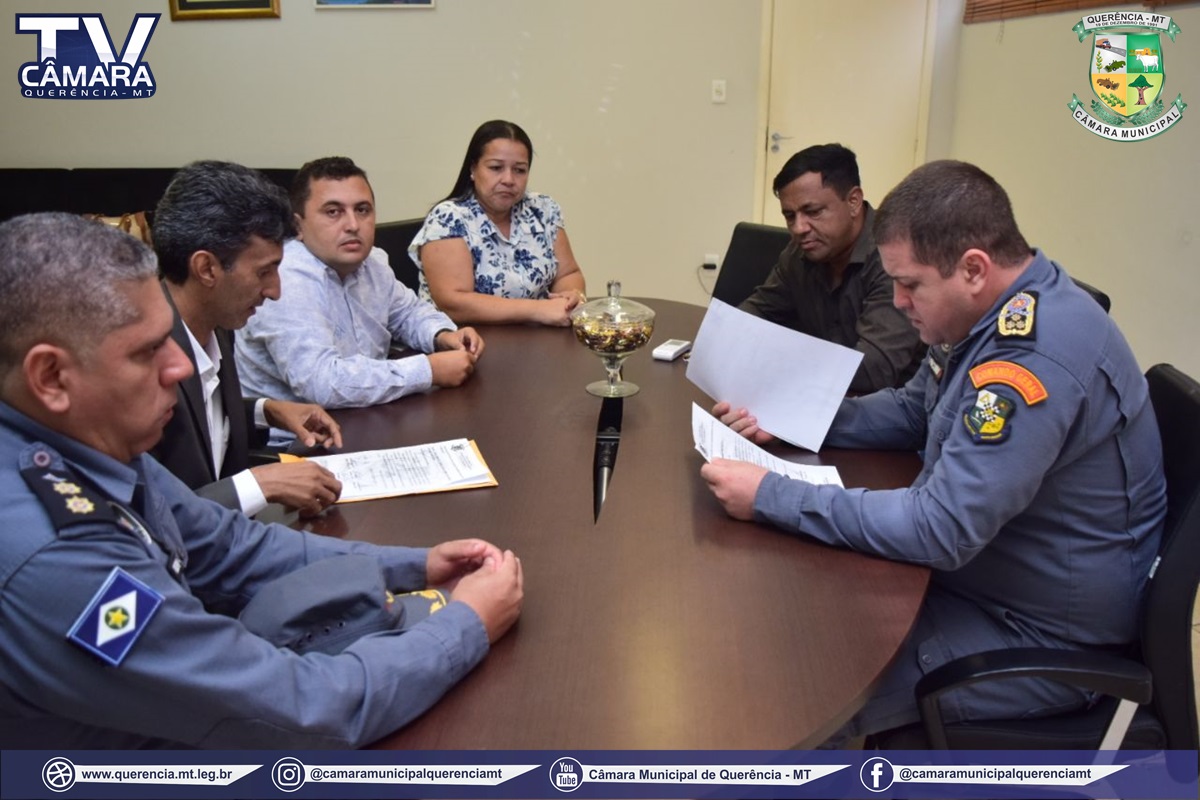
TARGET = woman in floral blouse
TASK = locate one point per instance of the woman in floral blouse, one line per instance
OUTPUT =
(491, 252)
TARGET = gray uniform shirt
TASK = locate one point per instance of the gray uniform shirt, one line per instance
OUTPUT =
(191, 673)
(1042, 495)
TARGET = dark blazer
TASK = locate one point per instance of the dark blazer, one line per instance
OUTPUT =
(186, 445)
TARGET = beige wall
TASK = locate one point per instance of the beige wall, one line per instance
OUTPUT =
(830, 82)
(615, 95)
(1119, 215)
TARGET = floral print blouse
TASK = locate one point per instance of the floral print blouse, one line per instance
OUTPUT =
(521, 266)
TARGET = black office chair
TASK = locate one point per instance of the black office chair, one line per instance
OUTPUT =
(1162, 682)
(752, 252)
(394, 238)
(1097, 295)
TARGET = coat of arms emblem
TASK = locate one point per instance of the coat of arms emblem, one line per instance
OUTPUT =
(1127, 76)
(1127, 73)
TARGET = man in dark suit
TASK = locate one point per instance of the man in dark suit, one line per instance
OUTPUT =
(218, 232)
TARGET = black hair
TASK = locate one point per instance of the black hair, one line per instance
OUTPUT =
(331, 168)
(487, 132)
(945, 208)
(836, 165)
(216, 206)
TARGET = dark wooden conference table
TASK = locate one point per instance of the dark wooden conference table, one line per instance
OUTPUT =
(663, 624)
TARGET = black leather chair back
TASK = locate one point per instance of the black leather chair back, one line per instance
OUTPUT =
(752, 253)
(1167, 627)
(394, 238)
(1097, 295)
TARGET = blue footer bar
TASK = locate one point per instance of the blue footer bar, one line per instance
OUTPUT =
(253, 774)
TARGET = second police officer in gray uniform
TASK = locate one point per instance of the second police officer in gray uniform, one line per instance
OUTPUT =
(1042, 497)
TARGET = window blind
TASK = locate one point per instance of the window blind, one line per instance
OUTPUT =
(989, 10)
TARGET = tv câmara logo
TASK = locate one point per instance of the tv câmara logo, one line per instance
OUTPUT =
(1127, 74)
(76, 59)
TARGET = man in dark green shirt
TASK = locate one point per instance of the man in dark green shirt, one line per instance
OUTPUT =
(829, 281)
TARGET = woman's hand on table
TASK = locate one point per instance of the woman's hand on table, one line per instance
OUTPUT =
(574, 298)
(556, 309)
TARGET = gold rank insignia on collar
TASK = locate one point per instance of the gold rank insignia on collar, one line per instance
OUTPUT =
(67, 499)
(1017, 315)
(80, 505)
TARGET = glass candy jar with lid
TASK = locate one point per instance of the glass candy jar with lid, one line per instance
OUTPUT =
(613, 328)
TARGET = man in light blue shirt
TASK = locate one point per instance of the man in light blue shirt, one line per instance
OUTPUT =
(326, 340)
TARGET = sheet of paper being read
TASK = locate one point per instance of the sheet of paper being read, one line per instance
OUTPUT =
(792, 382)
(714, 440)
(437, 467)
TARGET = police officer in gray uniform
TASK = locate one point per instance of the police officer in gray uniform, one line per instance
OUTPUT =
(120, 588)
(1042, 497)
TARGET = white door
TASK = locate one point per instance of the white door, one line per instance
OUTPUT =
(846, 71)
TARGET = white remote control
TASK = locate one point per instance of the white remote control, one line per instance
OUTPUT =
(671, 349)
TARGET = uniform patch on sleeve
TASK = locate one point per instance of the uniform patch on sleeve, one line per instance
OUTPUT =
(1013, 375)
(115, 617)
(988, 418)
(1017, 316)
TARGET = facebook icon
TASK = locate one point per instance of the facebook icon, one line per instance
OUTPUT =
(876, 774)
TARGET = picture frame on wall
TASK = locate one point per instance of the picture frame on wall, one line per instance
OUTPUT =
(374, 3)
(223, 9)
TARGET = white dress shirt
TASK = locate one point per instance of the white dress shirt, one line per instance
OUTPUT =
(208, 367)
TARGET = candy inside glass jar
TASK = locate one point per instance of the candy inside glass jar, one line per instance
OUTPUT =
(613, 334)
(613, 328)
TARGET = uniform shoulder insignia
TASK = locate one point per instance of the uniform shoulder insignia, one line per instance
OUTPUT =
(988, 419)
(115, 617)
(1017, 316)
(68, 500)
(1032, 390)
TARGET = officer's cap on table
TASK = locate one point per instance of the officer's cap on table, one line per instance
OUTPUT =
(327, 605)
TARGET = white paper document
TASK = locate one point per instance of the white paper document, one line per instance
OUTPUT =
(715, 440)
(793, 383)
(438, 467)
